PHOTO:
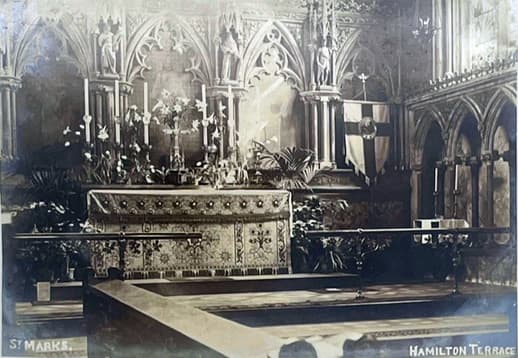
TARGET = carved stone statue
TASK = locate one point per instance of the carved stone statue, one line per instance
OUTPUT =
(108, 42)
(323, 62)
(230, 55)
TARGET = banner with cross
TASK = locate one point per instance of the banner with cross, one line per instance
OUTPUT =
(367, 136)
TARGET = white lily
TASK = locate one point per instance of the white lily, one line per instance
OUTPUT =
(103, 134)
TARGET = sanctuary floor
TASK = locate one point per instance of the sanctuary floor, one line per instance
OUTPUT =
(291, 314)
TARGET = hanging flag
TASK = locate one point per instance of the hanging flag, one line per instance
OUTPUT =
(367, 136)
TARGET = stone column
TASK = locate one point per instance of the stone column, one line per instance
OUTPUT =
(314, 129)
(333, 133)
(103, 98)
(125, 90)
(325, 133)
(417, 192)
(440, 188)
(510, 158)
(449, 184)
(487, 160)
(321, 112)
(218, 96)
(8, 124)
(448, 28)
(438, 39)
(474, 164)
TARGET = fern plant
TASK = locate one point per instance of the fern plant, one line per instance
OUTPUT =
(295, 167)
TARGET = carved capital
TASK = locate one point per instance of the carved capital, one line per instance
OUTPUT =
(473, 162)
(449, 163)
(12, 83)
(488, 157)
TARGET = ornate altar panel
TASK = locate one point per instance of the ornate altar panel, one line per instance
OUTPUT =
(242, 230)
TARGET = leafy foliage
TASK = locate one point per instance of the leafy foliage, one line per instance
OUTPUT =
(295, 166)
(323, 255)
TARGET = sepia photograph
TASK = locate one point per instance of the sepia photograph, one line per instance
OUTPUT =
(258, 178)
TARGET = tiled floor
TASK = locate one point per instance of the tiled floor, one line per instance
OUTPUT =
(377, 293)
(391, 329)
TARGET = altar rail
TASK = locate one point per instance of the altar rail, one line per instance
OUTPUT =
(123, 241)
(360, 242)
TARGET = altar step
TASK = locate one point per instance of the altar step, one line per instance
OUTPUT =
(254, 283)
(337, 178)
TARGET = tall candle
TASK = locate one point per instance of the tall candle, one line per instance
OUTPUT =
(456, 177)
(231, 135)
(87, 119)
(86, 92)
(146, 120)
(117, 110)
(117, 131)
(204, 121)
(145, 98)
(146, 133)
(436, 186)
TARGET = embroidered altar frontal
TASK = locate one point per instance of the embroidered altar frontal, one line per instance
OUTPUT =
(243, 231)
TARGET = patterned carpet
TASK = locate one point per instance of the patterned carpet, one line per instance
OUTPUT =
(377, 293)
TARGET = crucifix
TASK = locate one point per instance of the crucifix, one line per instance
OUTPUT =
(363, 77)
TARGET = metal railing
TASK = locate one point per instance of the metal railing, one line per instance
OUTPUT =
(361, 242)
(122, 238)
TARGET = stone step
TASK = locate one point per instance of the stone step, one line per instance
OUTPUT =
(337, 178)
(253, 283)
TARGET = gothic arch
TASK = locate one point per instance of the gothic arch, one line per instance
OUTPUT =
(274, 35)
(345, 55)
(424, 124)
(492, 115)
(64, 28)
(148, 36)
(463, 107)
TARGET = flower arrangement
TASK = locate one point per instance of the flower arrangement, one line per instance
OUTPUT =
(106, 162)
(178, 114)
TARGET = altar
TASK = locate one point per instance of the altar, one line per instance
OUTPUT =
(243, 231)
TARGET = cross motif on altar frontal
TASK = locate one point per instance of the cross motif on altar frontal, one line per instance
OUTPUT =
(260, 236)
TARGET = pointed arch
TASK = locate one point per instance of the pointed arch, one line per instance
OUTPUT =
(424, 124)
(292, 65)
(345, 55)
(461, 109)
(66, 30)
(492, 115)
(149, 35)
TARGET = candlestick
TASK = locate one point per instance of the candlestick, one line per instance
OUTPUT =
(117, 131)
(145, 98)
(456, 187)
(436, 186)
(204, 121)
(86, 92)
(87, 119)
(230, 122)
(117, 110)
(146, 120)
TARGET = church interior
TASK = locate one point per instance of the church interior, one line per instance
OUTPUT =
(275, 178)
